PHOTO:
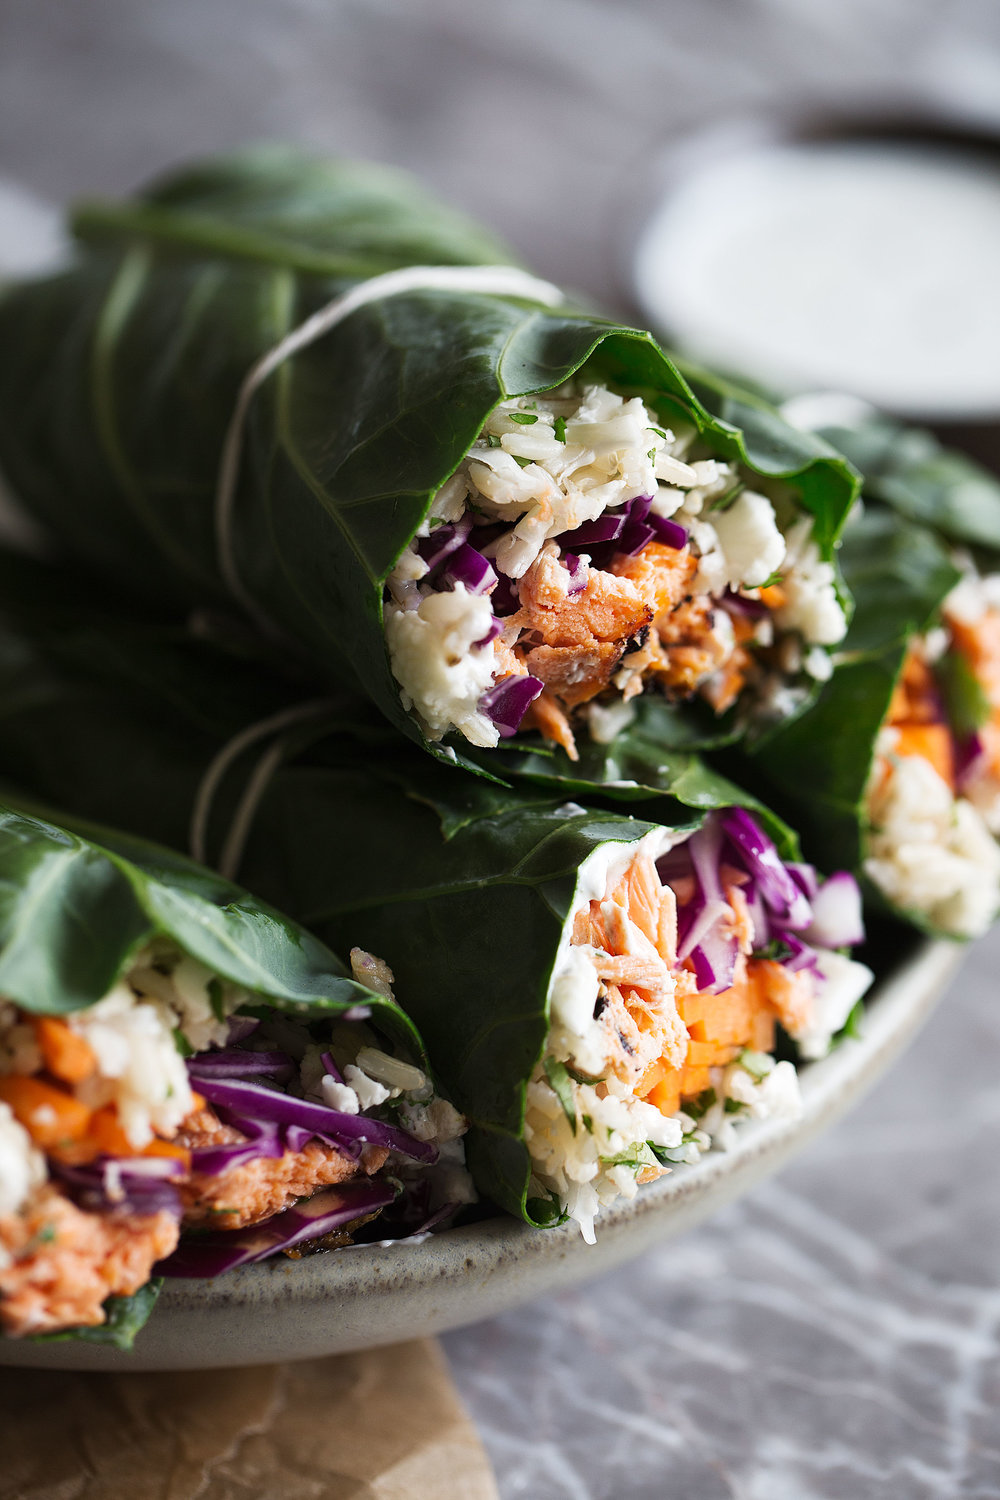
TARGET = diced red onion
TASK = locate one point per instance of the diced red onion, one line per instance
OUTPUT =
(837, 921)
(443, 540)
(240, 1027)
(607, 528)
(753, 609)
(577, 573)
(805, 878)
(333, 1208)
(800, 955)
(694, 920)
(496, 627)
(506, 702)
(467, 566)
(330, 1067)
(670, 533)
(267, 1104)
(970, 755)
(504, 599)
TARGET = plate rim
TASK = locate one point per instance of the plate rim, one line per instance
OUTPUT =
(381, 1293)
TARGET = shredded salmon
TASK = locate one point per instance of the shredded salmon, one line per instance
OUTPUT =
(669, 1034)
(60, 1263)
(545, 715)
(634, 622)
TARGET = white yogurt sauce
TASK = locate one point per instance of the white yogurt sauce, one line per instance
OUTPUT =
(868, 267)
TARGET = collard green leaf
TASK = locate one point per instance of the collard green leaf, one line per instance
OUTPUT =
(118, 380)
(909, 470)
(75, 909)
(124, 1318)
(816, 769)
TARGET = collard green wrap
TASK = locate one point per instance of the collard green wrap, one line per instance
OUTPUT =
(77, 907)
(119, 379)
(817, 769)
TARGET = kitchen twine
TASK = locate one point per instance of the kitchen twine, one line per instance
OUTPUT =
(498, 281)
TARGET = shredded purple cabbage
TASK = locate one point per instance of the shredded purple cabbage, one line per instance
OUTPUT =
(134, 1185)
(786, 902)
(333, 1208)
(236, 1063)
(258, 1103)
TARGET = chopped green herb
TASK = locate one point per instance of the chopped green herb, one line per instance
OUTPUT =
(776, 950)
(46, 1234)
(588, 1124)
(757, 1064)
(559, 1079)
(215, 995)
(492, 440)
(523, 417)
(524, 462)
(182, 1044)
(432, 522)
(733, 1107)
(852, 1026)
(770, 583)
(701, 1104)
(651, 455)
(659, 433)
(559, 428)
(640, 1155)
(579, 1077)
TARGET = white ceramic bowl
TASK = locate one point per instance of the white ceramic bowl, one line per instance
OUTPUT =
(378, 1294)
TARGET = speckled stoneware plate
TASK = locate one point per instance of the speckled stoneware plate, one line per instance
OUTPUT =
(378, 1294)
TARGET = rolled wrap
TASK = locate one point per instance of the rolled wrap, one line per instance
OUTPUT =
(137, 985)
(119, 380)
(894, 769)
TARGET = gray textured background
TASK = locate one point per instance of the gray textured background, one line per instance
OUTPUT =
(836, 1335)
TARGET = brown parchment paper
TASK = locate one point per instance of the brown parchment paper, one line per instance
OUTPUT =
(382, 1425)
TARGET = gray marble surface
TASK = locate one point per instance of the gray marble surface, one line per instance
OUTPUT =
(834, 1336)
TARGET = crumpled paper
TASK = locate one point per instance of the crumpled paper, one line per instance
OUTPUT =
(386, 1424)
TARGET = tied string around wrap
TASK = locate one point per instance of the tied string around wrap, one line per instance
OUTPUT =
(278, 729)
(498, 281)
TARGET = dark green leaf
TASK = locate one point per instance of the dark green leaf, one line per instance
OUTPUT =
(967, 707)
(125, 1317)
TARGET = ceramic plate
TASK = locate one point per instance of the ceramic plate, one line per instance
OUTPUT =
(378, 1294)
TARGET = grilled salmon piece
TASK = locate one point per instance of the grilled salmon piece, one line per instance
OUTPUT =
(257, 1189)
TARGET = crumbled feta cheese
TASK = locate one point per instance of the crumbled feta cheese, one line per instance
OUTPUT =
(339, 1095)
(438, 665)
(749, 539)
(369, 1091)
(928, 851)
(22, 1165)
